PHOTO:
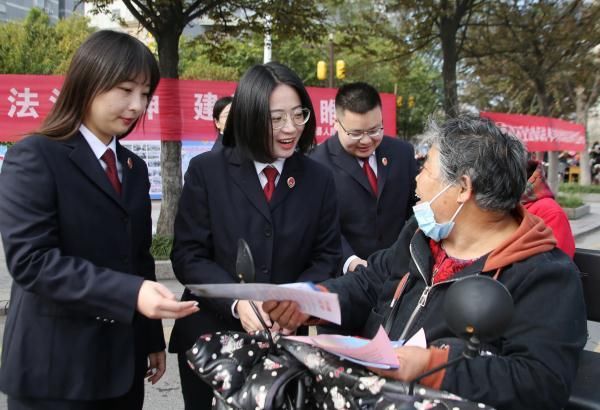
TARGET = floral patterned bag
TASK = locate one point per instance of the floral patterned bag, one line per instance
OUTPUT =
(341, 384)
(247, 372)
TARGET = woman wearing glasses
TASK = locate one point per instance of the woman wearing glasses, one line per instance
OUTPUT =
(259, 187)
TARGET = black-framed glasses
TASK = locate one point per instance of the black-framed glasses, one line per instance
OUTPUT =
(299, 117)
(374, 133)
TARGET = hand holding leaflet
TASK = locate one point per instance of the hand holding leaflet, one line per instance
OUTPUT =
(377, 352)
(310, 299)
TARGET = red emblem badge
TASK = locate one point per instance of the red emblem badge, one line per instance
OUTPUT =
(291, 182)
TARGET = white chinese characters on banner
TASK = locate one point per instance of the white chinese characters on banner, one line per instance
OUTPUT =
(153, 108)
(327, 113)
(54, 95)
(23, 104)
(324, 132)
(203, 105)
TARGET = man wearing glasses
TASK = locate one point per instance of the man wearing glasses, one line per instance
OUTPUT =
(374, 174)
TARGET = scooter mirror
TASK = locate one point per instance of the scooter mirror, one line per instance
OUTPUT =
(478, 306)
(244, 263)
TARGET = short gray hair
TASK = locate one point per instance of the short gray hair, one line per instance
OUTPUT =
(494, 160)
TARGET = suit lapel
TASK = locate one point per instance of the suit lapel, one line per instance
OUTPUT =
(83, 157)
(244, 176)
(347, 162)
(127, 173)
(291, 175)
(382, 166)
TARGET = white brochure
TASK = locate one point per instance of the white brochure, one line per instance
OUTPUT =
(310, 299)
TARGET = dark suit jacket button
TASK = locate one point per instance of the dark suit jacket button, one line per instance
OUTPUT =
(268, 231)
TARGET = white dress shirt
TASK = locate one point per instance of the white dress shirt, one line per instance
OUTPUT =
(99, 148)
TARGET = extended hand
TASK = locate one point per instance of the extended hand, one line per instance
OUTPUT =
(286, 314)
(248, 318)
(155, 301)
(156, 366)
(355, 262)
(413, 362)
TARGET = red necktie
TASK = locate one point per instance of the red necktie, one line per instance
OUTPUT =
(370, 175)
(111, 169)
(271, 173)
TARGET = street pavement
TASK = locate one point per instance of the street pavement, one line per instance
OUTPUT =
(166, 394)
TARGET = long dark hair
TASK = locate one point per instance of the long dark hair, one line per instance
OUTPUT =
(249, 122)
(104, 60)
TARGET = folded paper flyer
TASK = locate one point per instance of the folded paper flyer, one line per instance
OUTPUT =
(377, 352)
(310, 299)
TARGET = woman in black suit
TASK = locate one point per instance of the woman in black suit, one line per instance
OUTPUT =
(262, 188)
(81, 331)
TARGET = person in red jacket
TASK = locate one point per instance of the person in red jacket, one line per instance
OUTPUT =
(539, 200)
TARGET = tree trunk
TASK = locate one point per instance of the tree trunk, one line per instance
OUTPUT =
(552, 177)
(585, 171)
(448, 29)
(170, 159)
(553, 180)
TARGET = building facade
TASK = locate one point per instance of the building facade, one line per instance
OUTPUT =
(56, 9)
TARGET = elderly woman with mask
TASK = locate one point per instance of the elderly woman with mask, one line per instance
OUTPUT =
(470, 222)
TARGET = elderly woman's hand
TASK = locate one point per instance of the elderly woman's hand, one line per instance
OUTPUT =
(248, 318)
(413, 362)
(286, 314)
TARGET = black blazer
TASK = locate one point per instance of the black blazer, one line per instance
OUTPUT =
(78, 254)
(370, 223)
(293, 238)
(218, 142)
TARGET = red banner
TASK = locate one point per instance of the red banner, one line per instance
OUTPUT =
(541, 133)
(180, 109)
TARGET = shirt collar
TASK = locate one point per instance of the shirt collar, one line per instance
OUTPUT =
(372, 159)
(277, 164)
(95, 144)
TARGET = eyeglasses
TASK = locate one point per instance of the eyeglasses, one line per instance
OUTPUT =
(374, 133)
(299, 116)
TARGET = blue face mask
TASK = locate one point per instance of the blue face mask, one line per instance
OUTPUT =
(426, 219)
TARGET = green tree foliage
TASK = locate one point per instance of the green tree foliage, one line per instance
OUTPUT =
(361, 37)
(194, 63)
(235, 54)
(70, 33)
(35, 46)
(369, 37)
(424, 83)
(542, 46)
(443, 28)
